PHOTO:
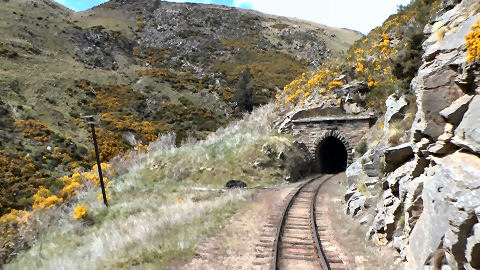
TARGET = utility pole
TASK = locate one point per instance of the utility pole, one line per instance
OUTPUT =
(91, 122)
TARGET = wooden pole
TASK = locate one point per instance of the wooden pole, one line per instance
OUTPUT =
(102, 184)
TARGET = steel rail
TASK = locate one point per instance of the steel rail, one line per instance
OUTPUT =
(320, 251)
(283, 219)
(316, 236)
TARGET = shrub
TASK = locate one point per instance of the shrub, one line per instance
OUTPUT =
(34, 129)
(362, 147)
(11, 225)
(409, 59)
(244, 91)
(80, 212)
(20, 179)
(473, 43)
(44, 199)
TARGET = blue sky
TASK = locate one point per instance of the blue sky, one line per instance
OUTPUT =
(361, 15)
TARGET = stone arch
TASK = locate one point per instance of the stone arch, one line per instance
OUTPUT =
(332, 152)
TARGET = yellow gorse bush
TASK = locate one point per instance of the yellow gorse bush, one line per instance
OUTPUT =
(15, 216)
(78, 180)
(44, 199)
(335, 84)
(9, 227)
(473, 43)
(34, 129)
(80, 212)
(302, 87)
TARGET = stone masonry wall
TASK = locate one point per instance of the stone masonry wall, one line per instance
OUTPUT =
(309, 132)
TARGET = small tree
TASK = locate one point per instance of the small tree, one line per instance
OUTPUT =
(243, 91)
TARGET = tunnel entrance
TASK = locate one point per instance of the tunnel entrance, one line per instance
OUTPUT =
(331, 156)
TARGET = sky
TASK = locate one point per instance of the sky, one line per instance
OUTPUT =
(360, 15)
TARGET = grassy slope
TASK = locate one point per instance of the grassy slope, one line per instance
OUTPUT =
(155, 216)
(49, 78)
(43, 78)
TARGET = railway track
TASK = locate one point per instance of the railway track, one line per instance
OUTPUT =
(294, 238)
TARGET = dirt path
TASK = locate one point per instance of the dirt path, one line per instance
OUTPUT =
(233, 247)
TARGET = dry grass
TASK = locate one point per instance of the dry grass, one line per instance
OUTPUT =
(155, 216)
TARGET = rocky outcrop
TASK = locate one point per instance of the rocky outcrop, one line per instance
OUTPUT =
(395, 109)
(397, 155)
(451, 195)
(467, 134)
(427, 202)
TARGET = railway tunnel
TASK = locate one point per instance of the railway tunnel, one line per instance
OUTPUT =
(329, 135)
(331, 156)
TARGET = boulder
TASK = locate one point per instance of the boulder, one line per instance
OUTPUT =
(472, 253)
(385, 221)
(350, 191)
(235, 184)
(396, 156)
(467, 134)
(448, 133)
(356, 204)
(372, 160)
(450, 197)
(430, 102)
(372, 168)
(352, 108)
(353, 88)
(421, 146)
(436, 85)
(453, 40)
(454, 113)
(398, 181)
(442, 148)
(354, 172)
(413, 203)
(396, 108)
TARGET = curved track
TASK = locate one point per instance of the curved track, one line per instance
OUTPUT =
(297, 243)
(293, 238)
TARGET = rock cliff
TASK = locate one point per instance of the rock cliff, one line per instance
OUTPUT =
(420, 193)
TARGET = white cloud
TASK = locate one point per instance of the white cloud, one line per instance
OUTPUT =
(361, 15)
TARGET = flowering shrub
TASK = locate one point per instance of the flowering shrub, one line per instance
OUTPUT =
(335, 84)
(20, 179)
(34, 129)
(78, 180)
(80, 212)
(473, 43)
(302, 87)
(44, 199)
(386, 59)
(10, 226)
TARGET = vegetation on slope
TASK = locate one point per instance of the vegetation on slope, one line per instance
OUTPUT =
(155, 213)
(144, 67)
(386, 59)
(473, 43)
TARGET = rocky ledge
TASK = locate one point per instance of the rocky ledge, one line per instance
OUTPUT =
(421, 194)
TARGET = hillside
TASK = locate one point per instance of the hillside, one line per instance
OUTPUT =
(415, 180)
(170, 74)
(144, 68)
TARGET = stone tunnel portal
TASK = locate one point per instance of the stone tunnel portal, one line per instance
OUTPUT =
(331, 155)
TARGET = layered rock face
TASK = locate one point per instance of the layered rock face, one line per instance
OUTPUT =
(422, 194)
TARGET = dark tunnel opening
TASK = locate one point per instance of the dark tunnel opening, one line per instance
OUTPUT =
(332, 156)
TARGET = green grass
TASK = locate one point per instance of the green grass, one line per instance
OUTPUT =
(156, 217)
(362, 188)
